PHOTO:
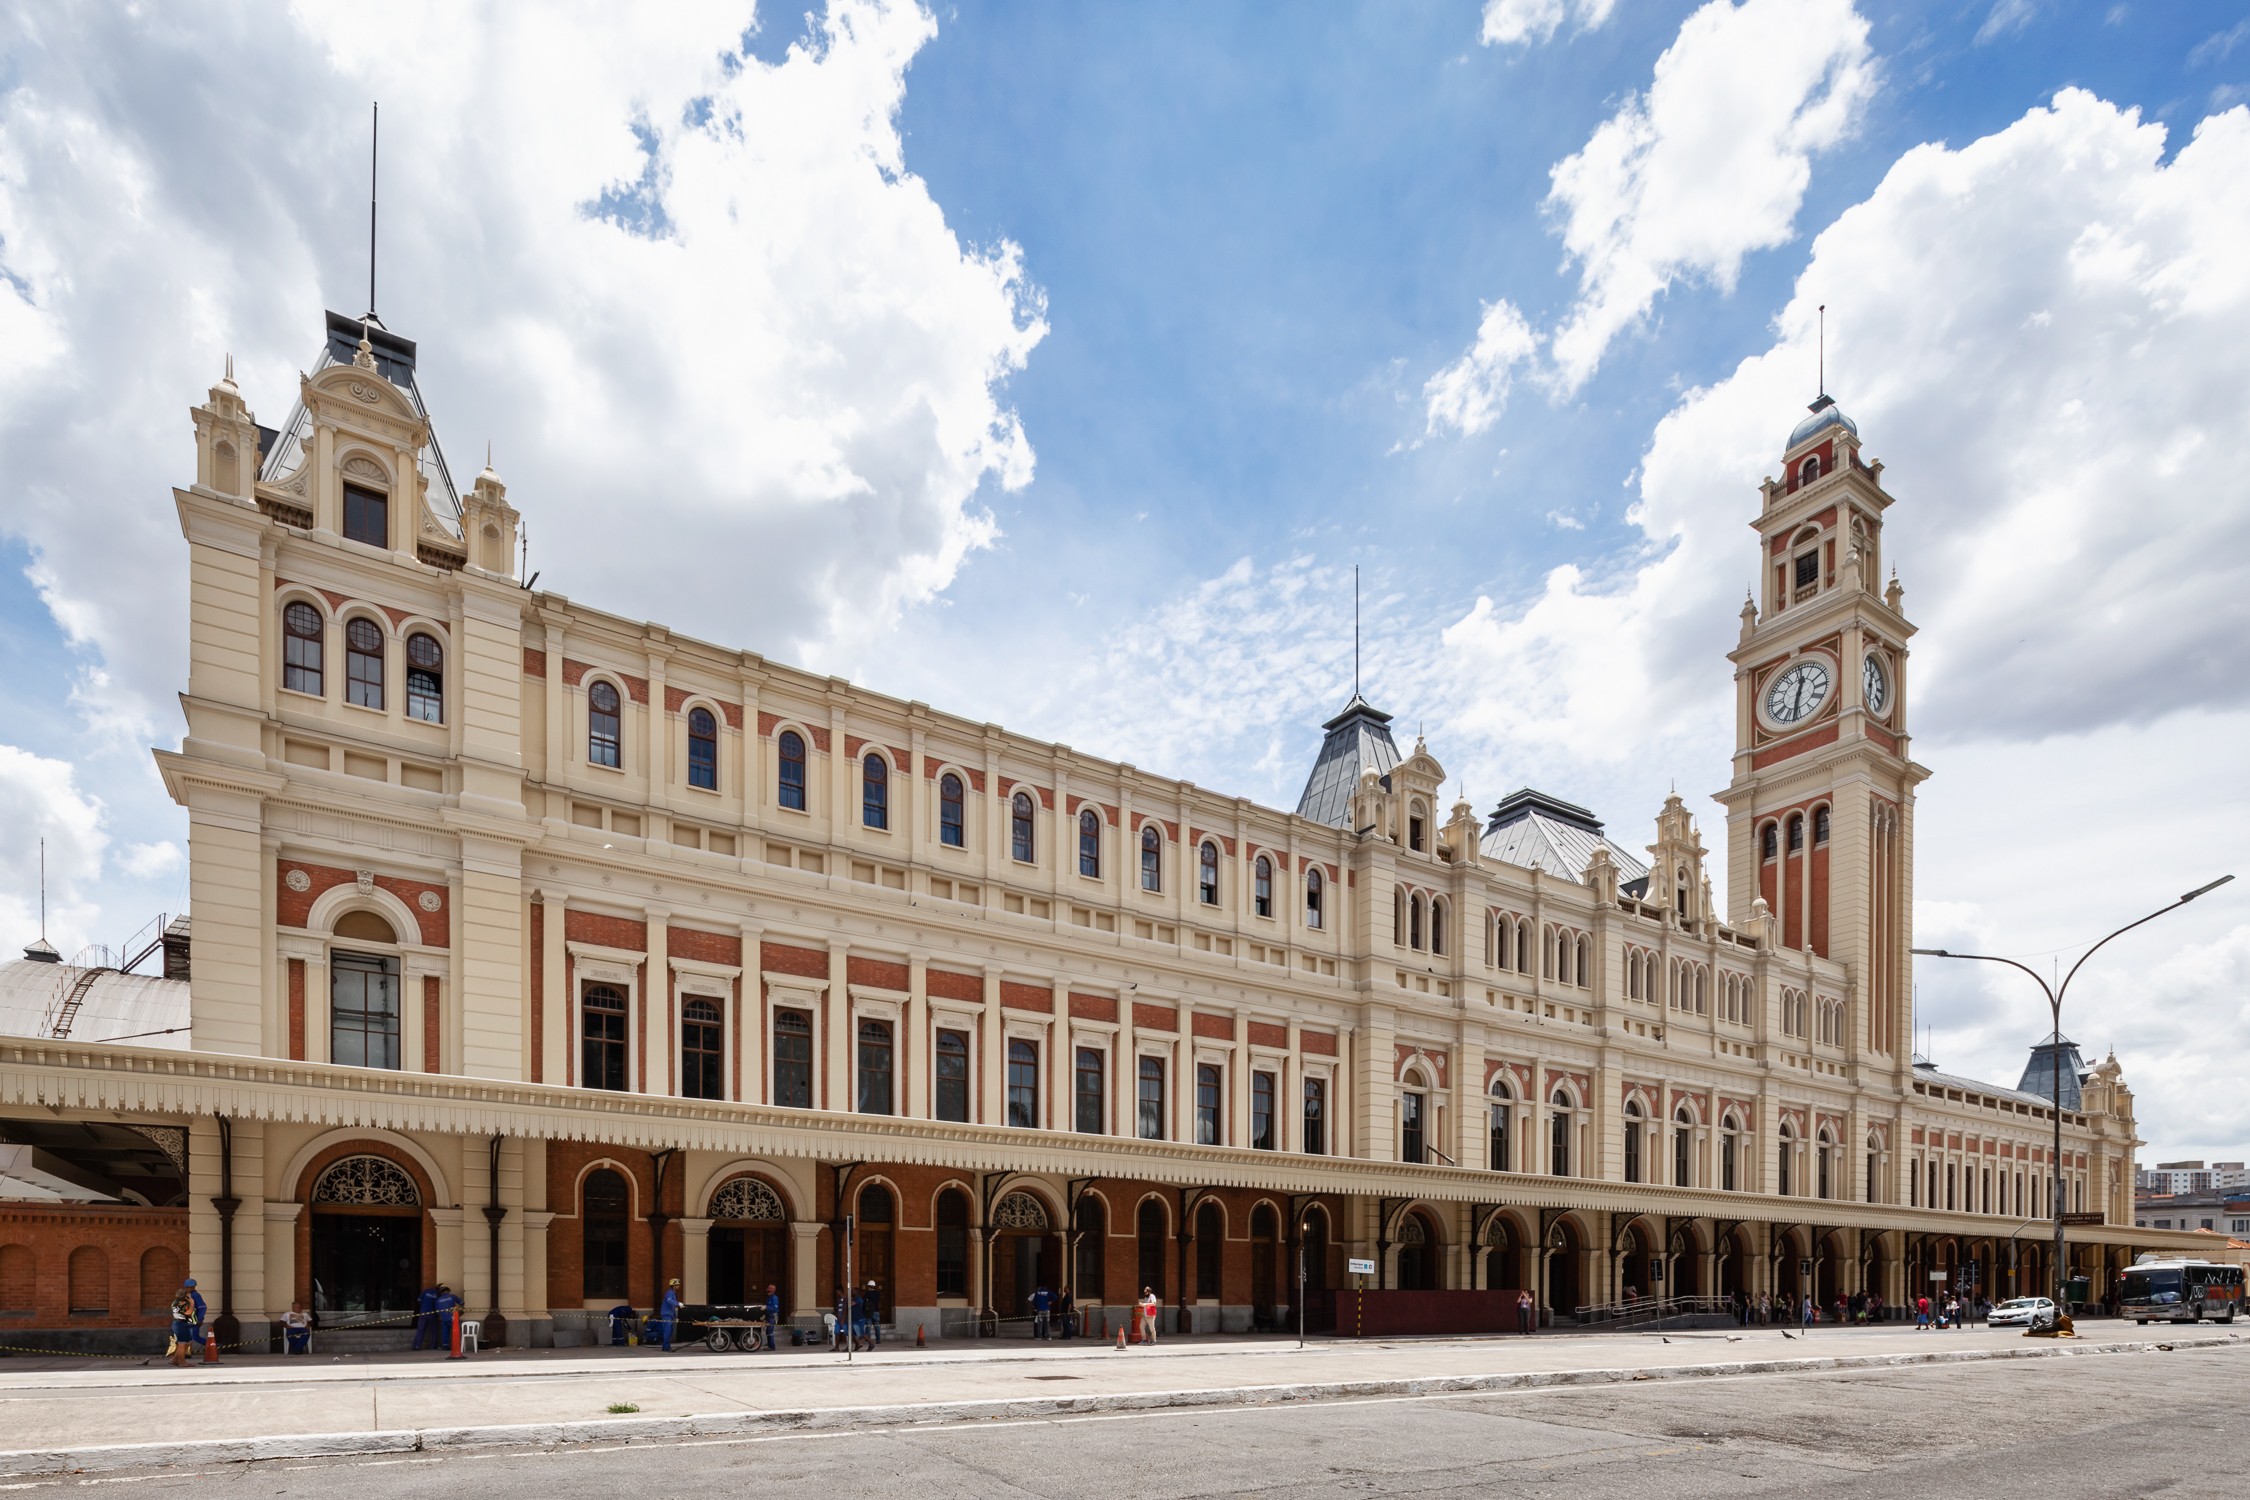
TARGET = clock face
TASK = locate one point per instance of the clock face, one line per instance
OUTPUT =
(1875, 685)
(1796, 694)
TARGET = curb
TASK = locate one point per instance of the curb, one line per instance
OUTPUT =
(908, 1414)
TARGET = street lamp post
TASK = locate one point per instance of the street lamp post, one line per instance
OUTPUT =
(2054, 994)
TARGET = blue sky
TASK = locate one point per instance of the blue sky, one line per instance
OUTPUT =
(1056, 365)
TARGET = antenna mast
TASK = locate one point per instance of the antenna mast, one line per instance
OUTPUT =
(1823, 349)
(374, 148)
(1355, 630)
(42, 890)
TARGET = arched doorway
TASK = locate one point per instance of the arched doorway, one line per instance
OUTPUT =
(873, 1258)
(366, 1241)
(1503, 1256)
(1088, 1279)
(1828, 1283)
(1316, 1249)
(1148, 1231)
(1265, 1238)
(605, 1208)
(1210, 1252)
(1786, 1270)
(748, 1245)
(1417, 1254)
(1684, 1269)
(1634, 1256)
(1024, 1257)
(1734, 1266)
(1562, 1249)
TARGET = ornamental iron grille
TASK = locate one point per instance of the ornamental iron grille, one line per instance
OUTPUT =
(1410, 1231)
(1020, 1211)
(366, 1182)
(747, 1198)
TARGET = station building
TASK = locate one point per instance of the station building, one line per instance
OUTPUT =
(551, 954)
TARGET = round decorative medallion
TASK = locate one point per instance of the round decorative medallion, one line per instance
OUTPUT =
(364, 393)
(297, 880)
(429, 901)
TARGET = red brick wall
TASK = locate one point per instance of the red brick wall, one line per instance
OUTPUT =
(605, 932)
(805, 963)
(567, 1164)
(1266, 1034)
(1148, 1017)
(947, 985)
(432, 1030)
(119, 1254)
(1318, 1043)
(1036, 997)
(704, 947)
(297, 1009)
(1093, 1007)
(1217, 1028)
(294, 908)
(875, 973)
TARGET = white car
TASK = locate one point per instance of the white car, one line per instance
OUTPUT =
(2022, 1312)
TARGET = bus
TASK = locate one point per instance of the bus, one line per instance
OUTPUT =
(2181, 1291)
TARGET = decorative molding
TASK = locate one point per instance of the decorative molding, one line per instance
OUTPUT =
(297, 880)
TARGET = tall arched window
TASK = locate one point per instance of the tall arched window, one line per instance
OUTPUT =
(1502, 1157)
(789, 784)
(1152, 858)
(1730, 1147)
(1023, 1085)
(1796, 833)
(703, 749)
(1437, 926)
(601, 1010)
(1019, 827)
(952, 826)
(1787, 1149)
(1632, 1141)
(1207, 873)
(702, 1053)
(1414, 920)
(1523, 946)
(1821, 1166)
(363, 663)
(605, 734)
(605, 1207)
(1558, 1137)
(1769, 841)
(1811, 470)
(425, 678)
(953, 1243)
(875, 1068)
(1582, 968)
(302, 649)
(792, 1059)
(875, 792)
(1314, 887)
(1262, 886)
(1683, 1137)
(1090, 843)
(1820, 825)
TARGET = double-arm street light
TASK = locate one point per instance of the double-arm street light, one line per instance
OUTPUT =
(2054, 994)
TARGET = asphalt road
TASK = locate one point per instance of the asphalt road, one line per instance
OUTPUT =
(2109, 1426)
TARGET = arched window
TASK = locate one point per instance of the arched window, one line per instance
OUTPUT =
(1730, 1143)
(1410, 1107)
(425, 678)
(1810, 471)
(1683, 1135)
(604, 731)
(1632, 974)
(1769, 841)
(1558, 1138)
(1632, 1141)
(1210, 1243)
(952, 827)
(1820, 1166)
(1820, 825)
(1796, 833)
(1523, 946)
(1019, 827)
(790, 776)
(702, 749)
(875, 1067)
(1502, 1156)
(1148, 1229)
(702, 1054)
(605, 1206)
(1207, 873)
(301, 649)
(1414, 920)
(1262, 886)
(953, 1243)
(875, 792)
(1313, 886)
(1583, 969)
(1787, 1148)
(951, 1066)
(601, 1010)
(792, 1059)
(1090, 843)
(1437, 926)
(363, 663)
(1152, 858)
(1023, 1085)
(1414, 822)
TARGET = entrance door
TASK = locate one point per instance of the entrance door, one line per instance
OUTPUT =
(1264, 1230)
(366, 1265)
(744, 1258)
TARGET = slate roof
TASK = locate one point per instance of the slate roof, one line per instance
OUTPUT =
(2039, 1072)
(1539, 832)
(1929, 1074)
(1358, 738)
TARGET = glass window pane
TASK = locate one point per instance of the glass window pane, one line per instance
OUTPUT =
(1151, 1099)
(952, 1101)
(1023, 1085)
(792, 1059)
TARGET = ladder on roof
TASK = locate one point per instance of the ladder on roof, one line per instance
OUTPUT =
(66, 1014)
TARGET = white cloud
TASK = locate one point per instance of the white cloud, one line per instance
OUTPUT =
(146, 861)
(40, 799)
(685, 292)
(1469, 394)
(2006, 18)
(1709, 165)
(1509, 22)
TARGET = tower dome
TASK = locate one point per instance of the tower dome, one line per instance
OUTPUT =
(1825, 414)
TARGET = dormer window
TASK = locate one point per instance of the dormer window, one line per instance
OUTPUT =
(367, 516)
(1414, 831)
(1808, 571)
(1810, 471)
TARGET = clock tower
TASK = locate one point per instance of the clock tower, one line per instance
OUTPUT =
(1820, 812)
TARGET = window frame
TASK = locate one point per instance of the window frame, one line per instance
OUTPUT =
(1312, 1116)
(1261, 886)
(1210, 1104)
(295, 644)
(1089, 1093)
(1023, 835)
(1413, 1126)
(1207, 872)
(942, 1053)
(599, 745)
(1152, 859)
(614, 1047)
(702, 748)
(1089, 843)
(875, 1071)
(364, 685)
(1023, 1083)
(797, 1093)
(369, 1030)
(953, 821)
(1316, 890)
(1149, 1084)
(697, 1059)
(425, 681)
(358, 503)
(791, 780)
(1265, 1090)
(875, 791)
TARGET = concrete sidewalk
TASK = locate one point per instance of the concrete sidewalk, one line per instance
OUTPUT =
(266, 1407)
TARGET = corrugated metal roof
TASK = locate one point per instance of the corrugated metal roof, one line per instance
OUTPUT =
(1929, 1074)
(1358, 738)
(1538, 832)
(115, 1006)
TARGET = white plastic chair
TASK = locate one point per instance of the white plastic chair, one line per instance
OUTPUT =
(471, 1330)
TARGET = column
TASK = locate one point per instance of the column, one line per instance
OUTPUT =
(1472, 1141)
(914, 1038)
(750, 1021)
(695, 1257)
(657, 1052)
(1290, 1128)
(836, 1013)
(1371, 1110)
(804, 1268)
(992, 1062)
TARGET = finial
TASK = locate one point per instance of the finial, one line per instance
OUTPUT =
(365, 358)
(230, 366)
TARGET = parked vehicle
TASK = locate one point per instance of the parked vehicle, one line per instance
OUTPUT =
(2181, 1291)
(2022, 1312)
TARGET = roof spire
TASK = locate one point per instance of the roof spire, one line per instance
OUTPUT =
(1355, 630)
(374, 145)
(1823, 345)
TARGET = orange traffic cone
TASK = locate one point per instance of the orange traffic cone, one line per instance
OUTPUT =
(1121, 1335)
(919, 1341)
(210, 1347)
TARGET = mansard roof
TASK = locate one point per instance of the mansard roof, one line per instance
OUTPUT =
(280, 449)
(1358, 739)
(1539, 832)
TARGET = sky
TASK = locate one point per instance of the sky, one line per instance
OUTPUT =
(1056, 365)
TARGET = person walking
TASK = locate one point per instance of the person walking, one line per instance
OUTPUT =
(1525, 1311)
(863, 1318)
(1041, 1306)
(874, 1314)
(773, 1316)
(183, 1329)
(1146, 1308)
(197, 1309)
(296, 1330)
(668, 1312)
(425, 1319)
(1066, 1313)
(1922, 1313)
